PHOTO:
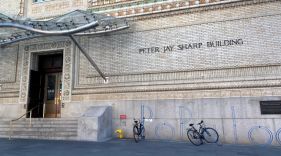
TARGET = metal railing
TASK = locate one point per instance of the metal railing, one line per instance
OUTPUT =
(30, 111)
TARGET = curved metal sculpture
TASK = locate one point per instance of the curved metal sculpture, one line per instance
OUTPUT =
(17, 29)
(77, 34)
(75, 23)
(50, 32)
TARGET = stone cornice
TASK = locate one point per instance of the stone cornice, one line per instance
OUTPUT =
(194, 94)
(197, 9)
(111, 4)
(182, 87)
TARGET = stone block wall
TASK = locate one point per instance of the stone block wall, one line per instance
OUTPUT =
(235, 114)
(53, 8)
(10, 7)
(221, 85)
(194, 46)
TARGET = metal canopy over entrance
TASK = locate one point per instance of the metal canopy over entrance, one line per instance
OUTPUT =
(13, 29)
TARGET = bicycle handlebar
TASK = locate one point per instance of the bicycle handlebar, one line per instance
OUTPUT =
(200, 122)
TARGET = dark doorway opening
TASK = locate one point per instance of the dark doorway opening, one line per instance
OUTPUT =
(45, 86)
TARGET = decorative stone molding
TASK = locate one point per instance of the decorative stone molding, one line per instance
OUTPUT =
(250, 73)
(140, 7)
(248, 92)
(9, 94)
(181, 87)
(39, 47)
(198, 9)
(9, 100)
(146, 10)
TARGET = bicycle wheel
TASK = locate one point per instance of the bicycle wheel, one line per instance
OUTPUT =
(210, 135)
(136, 133)
(194, 137)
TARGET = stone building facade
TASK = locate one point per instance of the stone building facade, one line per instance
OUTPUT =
(182, 61)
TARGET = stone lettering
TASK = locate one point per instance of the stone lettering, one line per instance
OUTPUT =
(141, 51)
(200, 44)
(192, 46)
(157, 49)
(168, 48)
(180, 47)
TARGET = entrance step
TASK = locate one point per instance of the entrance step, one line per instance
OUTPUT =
(47, 128)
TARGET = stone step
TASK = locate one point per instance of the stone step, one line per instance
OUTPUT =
(41, 122)
(44, 129)
(74, 137)
(38, 133)
(38, 119)
(41, 125)
(47, 128)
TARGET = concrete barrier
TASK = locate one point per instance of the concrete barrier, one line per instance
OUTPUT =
(95, 124)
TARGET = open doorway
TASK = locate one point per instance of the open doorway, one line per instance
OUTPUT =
(46, 86)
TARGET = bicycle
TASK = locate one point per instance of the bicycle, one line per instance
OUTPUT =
(208, 134)
(138, 130)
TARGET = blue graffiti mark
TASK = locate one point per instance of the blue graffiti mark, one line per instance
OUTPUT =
(260, 127)
(142, 117)
(234, 125)
(164, 124)
(142, 112)
(277, 136)
(214, 126)
(181, 119)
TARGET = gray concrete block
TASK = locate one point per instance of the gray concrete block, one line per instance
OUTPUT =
(95, 124)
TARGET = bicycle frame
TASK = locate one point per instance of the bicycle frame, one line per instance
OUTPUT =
(139, 126)
(201, 130)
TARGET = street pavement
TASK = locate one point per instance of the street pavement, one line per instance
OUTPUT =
(126, 147)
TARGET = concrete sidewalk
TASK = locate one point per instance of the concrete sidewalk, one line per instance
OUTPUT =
(27, 147)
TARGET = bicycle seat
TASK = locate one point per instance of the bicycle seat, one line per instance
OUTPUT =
(191, 124)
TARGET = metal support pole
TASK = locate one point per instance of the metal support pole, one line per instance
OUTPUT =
(88, 57)
(10, 134)
(30, 119)
(142, 121)
(44, 110)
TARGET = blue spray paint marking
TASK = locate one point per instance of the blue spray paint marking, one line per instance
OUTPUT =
(164, 124)
(142, 112)
(181, 119)
(142, 117)
(214, 126)
(234, 125)
(277, 136)
(260, 127)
